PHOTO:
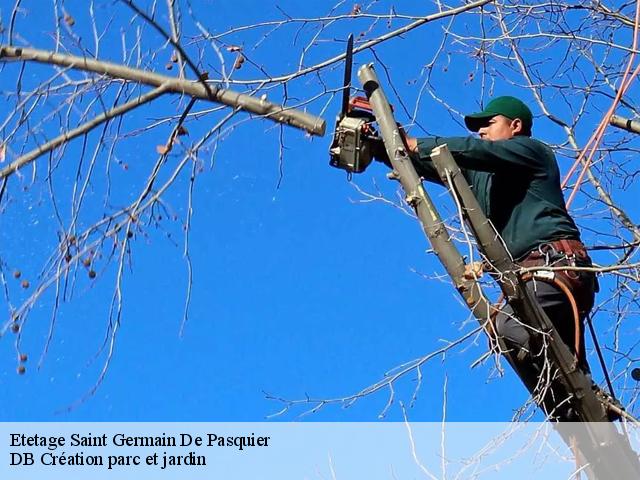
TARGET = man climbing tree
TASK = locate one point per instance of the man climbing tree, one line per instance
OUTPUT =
(517, 183)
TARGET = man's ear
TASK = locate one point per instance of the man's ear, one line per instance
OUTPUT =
(516, 126)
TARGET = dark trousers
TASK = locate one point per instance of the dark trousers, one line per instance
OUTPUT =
(528, 351)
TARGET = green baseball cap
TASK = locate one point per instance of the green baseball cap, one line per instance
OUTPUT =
(510, 107)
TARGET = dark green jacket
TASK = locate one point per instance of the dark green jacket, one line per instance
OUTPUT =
(516, 182)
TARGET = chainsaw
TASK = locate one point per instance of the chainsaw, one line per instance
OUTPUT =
(354, 135)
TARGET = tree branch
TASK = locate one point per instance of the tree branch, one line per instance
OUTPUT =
(82, 129)
(260, 106)
(372, 43)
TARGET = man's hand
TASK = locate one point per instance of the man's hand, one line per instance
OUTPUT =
(380, 153)
(473, 271)
(410, 142)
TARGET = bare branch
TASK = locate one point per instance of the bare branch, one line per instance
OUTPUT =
(261, 106)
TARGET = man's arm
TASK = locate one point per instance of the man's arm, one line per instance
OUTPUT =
(423, 165)
(518, 153)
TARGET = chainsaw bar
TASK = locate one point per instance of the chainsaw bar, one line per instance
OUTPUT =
(351, 149)
(348, 66)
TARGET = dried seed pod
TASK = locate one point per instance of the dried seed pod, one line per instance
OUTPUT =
(15, 327)
(239, 61)
(23, 357)
(16, 274)
(69, 20)
(25, 284)
(86, 261)
(163, 149)
(21, 369)
(92, 274)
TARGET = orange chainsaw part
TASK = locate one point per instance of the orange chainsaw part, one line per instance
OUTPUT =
(361, 103)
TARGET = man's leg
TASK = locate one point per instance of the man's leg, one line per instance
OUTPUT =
(530, 357)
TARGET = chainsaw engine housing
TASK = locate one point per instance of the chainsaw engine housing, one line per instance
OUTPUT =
(350, 150)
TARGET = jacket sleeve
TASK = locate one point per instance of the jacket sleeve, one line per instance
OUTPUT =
(424, 166)
(518, 154)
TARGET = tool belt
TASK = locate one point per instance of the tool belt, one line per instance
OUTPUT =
(570, 253)
(565, 246)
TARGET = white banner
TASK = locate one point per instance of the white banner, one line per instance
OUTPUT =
(282, 451)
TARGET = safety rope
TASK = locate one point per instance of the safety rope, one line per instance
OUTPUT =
(596, 138)
(600, 357)
(558, 283)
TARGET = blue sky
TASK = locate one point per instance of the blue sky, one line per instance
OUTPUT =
(300, 286)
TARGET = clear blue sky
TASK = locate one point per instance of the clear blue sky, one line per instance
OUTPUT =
(297, 290)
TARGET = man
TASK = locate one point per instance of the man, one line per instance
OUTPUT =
(517, 183)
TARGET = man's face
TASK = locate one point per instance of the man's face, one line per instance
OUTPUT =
(500, 128)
